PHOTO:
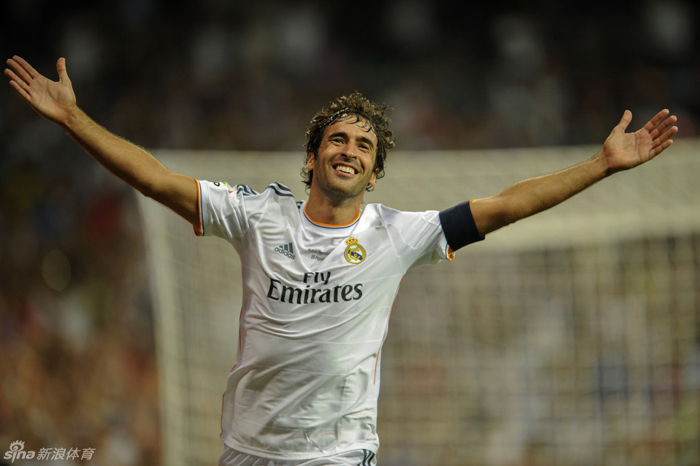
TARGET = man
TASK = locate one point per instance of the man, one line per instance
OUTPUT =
(320, 276)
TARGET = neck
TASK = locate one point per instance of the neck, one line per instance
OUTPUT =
(323, 210)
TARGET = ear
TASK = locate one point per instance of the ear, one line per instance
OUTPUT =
(310, 159)
(373, 178)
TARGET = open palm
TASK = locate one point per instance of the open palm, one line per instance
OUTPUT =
(50, 99)
(626, 150)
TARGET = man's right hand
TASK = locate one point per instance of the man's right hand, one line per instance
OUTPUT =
(55, 101)
(52, 100)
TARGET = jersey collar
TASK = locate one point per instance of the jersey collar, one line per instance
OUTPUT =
(327, 227)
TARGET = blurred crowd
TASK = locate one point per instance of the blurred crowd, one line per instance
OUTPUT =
(77, 366)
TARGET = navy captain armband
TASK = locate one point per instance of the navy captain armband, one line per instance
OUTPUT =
(459, 226)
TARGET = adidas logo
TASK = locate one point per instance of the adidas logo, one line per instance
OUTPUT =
(286, 250)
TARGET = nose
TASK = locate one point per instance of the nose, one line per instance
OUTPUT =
(350, 151)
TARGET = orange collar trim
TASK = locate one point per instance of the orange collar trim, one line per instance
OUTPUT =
(328, 225)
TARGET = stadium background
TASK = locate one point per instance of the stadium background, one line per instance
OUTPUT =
(77, 364)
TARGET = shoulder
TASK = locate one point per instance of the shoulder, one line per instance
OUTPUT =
(380, 210)
(389, 215)
(273, 190)
(279, 190)
(276, 199)
(243, 196)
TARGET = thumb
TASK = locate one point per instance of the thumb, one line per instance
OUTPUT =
(624, 122)
(62, 72)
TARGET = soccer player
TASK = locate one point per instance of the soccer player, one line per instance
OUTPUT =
(320, 276)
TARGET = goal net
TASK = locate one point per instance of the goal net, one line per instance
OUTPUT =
(569, 338)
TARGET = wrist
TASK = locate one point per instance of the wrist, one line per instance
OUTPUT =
(73, 118)
(602, 165)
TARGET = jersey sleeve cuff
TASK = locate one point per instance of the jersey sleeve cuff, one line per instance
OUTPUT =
(199, 227)
(459, 226)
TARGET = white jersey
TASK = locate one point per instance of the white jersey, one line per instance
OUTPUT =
(316, 306)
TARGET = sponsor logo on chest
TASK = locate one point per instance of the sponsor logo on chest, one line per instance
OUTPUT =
(317, 287)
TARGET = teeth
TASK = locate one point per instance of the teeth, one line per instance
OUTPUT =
(345, 169)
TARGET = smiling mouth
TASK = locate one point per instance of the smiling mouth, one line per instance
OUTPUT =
(345, 169)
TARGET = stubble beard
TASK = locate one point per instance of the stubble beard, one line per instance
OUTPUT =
(335, 191)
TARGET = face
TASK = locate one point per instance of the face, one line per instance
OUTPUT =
(344, 165)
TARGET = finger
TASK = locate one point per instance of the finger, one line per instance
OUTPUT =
(14, 78)
(653, 123)
(668, 134)
(30, 70)
(663, 126)
(62, 71)
(19, 70)
(22, 93)
(657, 150)
(624, 122)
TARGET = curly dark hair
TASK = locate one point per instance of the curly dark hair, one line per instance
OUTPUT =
(362, 108)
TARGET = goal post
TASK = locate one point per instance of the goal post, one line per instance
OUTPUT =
(569, 338)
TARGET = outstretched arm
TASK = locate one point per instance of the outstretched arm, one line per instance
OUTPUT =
(56, 102)
(621, 151)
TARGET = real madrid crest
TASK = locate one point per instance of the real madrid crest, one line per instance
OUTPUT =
(354, 253)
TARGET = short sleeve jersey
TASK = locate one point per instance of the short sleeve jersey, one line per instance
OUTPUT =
(316, 306)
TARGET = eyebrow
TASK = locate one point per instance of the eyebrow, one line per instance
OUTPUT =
(346, 136)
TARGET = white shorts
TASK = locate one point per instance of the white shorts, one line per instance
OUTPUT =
(231, 457)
